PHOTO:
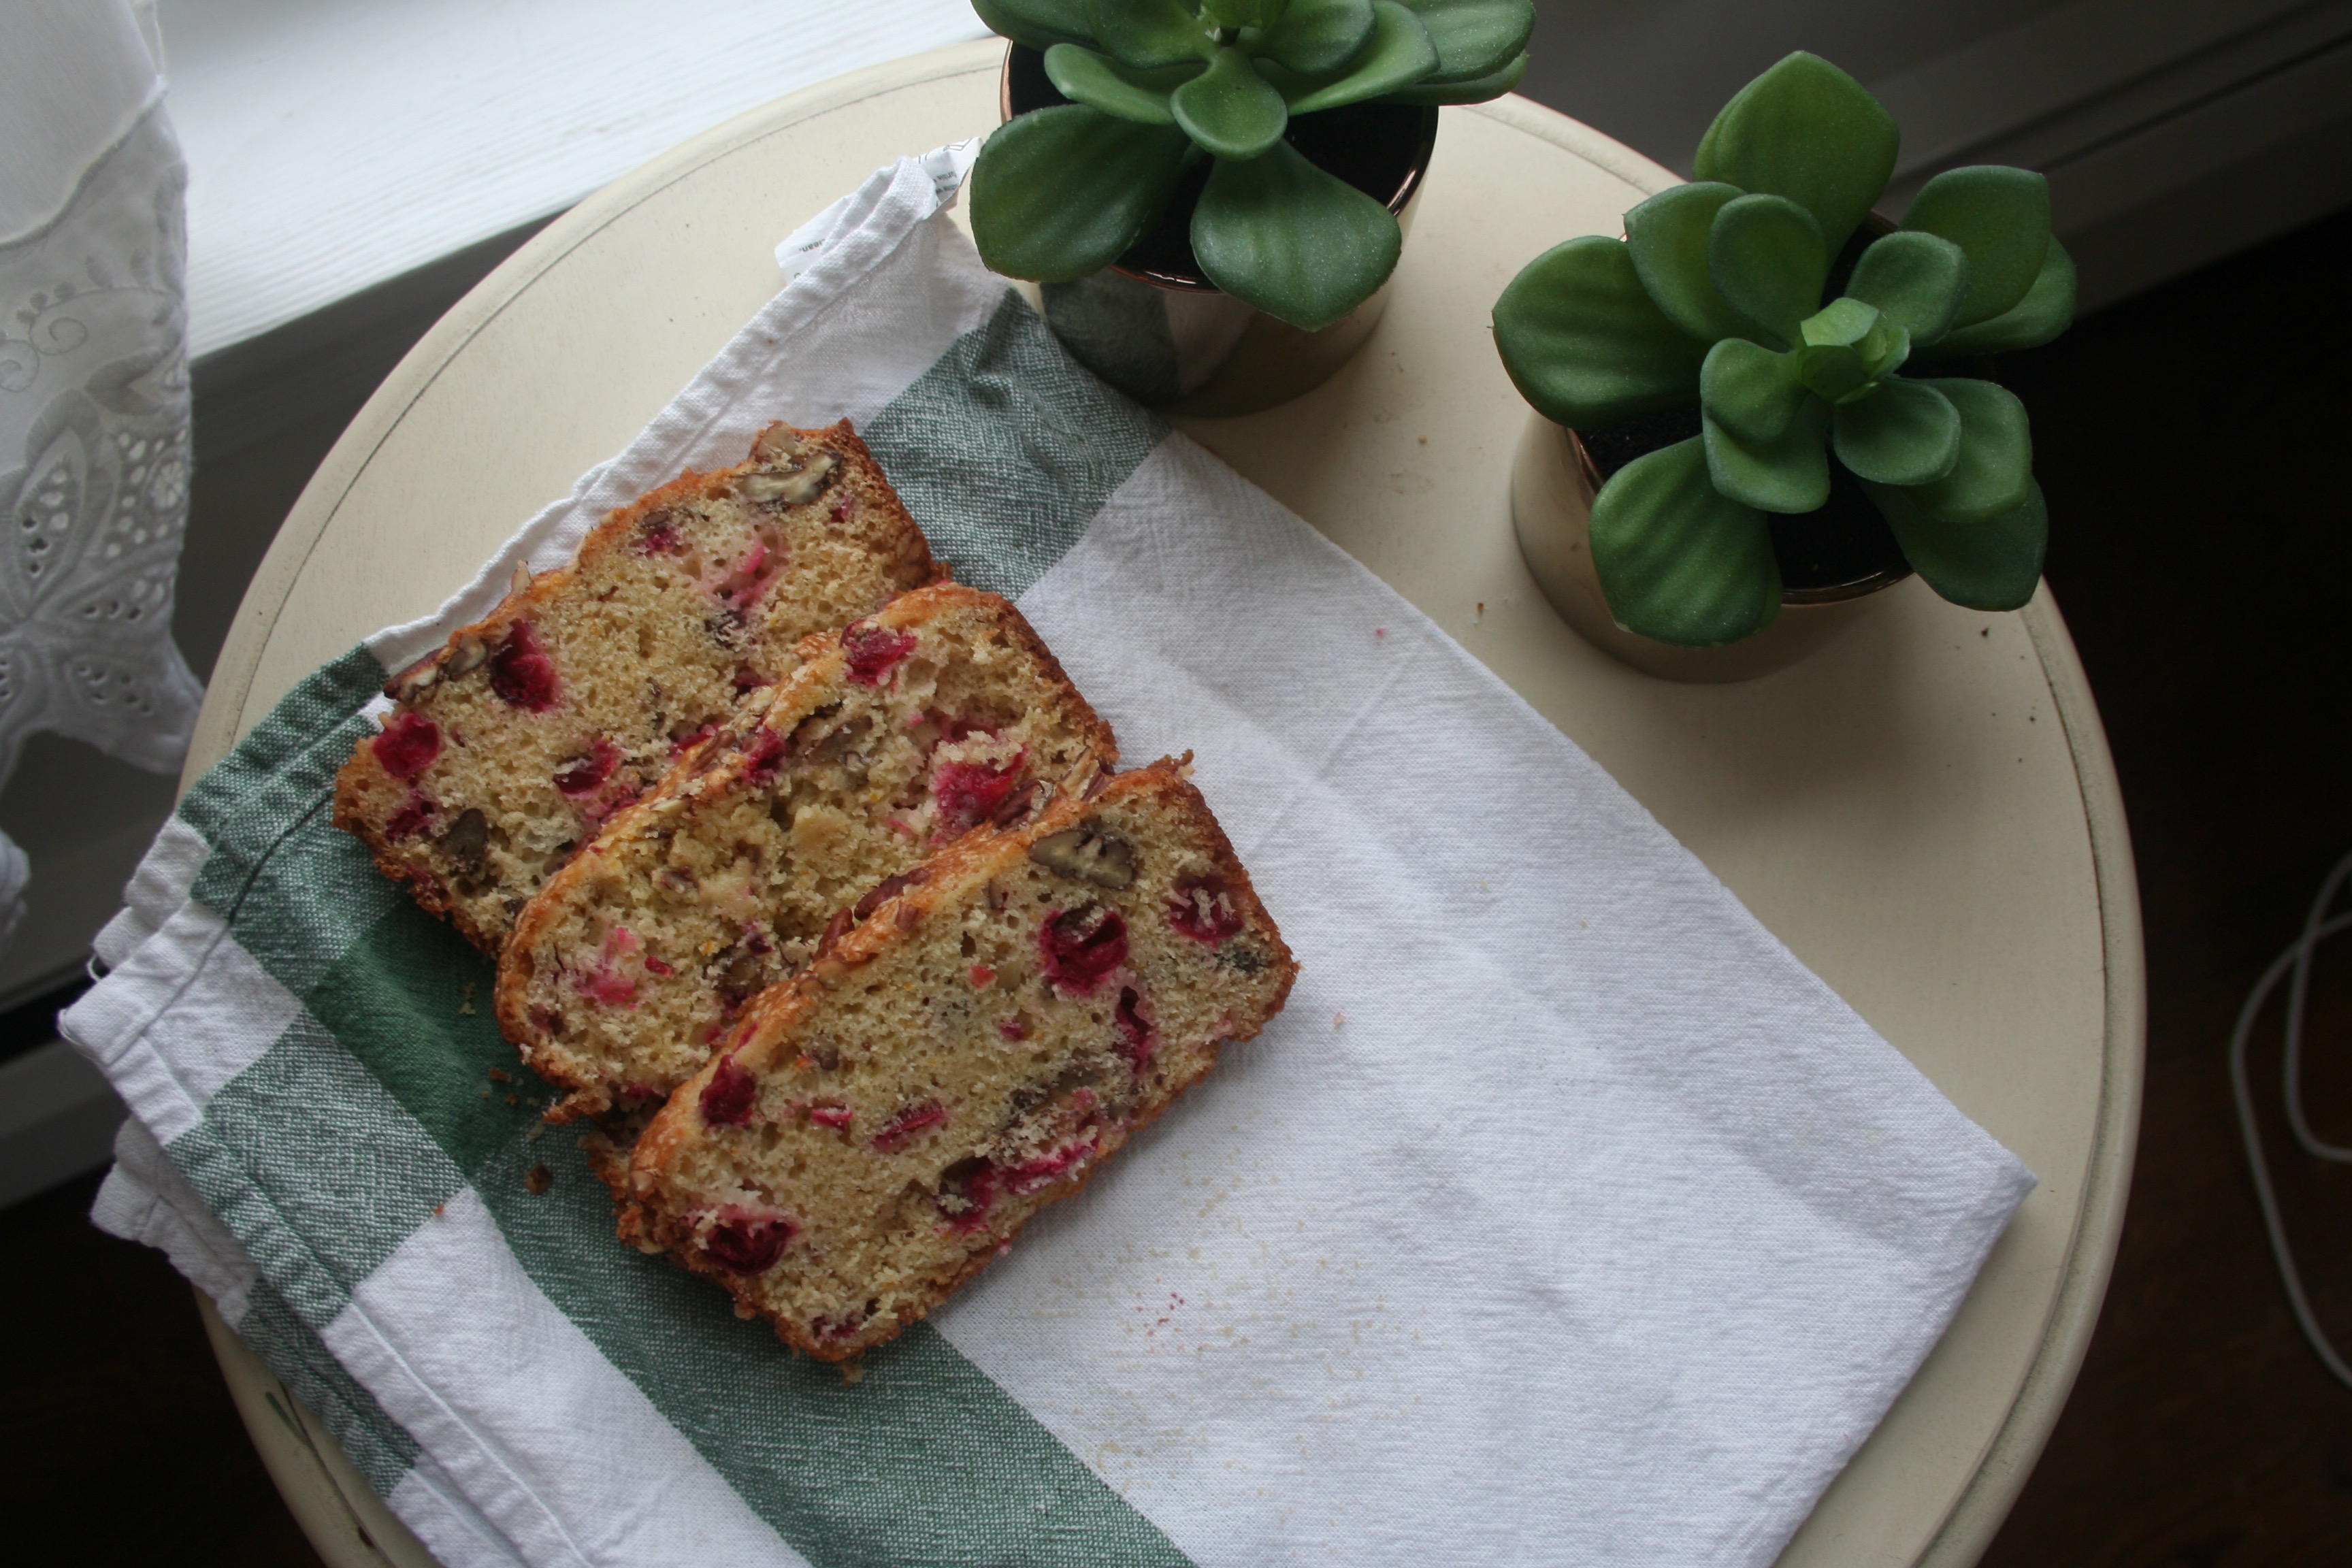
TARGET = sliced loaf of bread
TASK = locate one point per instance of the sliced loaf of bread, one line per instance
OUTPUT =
(878, 1129)
(511, 745)
(940, 715)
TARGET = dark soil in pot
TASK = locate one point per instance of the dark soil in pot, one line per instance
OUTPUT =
(1382, 148)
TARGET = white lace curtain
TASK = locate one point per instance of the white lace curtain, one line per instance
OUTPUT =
(93, 393)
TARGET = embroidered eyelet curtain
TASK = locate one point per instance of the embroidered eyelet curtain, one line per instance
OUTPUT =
(94, 452)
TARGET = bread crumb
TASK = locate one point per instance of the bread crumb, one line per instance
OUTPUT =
(538, 1179)
(852, 1373)
(497, 1075)
(465, 1010)
(1338, 1020)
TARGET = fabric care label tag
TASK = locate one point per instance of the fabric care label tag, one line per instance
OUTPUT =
(1562, 1218)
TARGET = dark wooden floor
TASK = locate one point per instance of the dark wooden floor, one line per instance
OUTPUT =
(2193, 443)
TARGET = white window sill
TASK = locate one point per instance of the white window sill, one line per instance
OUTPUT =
(334, 144)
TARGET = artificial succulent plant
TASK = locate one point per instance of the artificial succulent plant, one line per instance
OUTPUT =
(1157, 84)
(1724, 293)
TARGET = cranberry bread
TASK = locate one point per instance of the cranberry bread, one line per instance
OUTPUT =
(878, 1127)
(941, 714)
(511, 745)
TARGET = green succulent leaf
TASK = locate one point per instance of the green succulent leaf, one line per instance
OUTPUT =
(1280, 234)
(1904, 433)
(1806, 131)
(1844, 322)
(1059, 192)
(2046, 311)
(1474, 39)
(1994, 470)
(1315, 37)
(1991, 565)
(1585, 344)
(1040, 24)
(1668, 237)
(1768, 260)
(1476, 89)
(1398, 55)
(1754, 392)
(1148, 33)
(1884, 348)
(1241, 13)
(1119, 90)
(1677, 560)
(2000, 217)
(1917, 281)
(1833, 371)
(1228, 109)
(1790, 474)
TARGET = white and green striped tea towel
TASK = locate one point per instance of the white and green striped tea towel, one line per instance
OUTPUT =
(1607, 1251)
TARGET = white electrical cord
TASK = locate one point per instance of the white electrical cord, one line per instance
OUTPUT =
(2297, 959)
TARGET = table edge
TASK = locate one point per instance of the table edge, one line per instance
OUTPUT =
(1976, 1515)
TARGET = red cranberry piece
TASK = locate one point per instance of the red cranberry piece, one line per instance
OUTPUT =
(728, 1098)
(966, 1191)
(608, 986)
(522, 672)
(410, 819)
(659, 539)
(1049, 1167)
(582, 775)
(873, 651)
(679, 747)
(830, 1115)
(1013, 1028)
(893, 1134)
(1134, 1030)
(969, 793)
(407, 745)
(1081, 946)
(764, 756)
(1205, 911)
(742, 585)
(744, 1241)
(843, 504)
(655, 966)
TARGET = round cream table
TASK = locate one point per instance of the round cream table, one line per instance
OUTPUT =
(1925, 812)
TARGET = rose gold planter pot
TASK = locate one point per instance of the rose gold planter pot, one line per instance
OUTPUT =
(1229, 358)
(1553, 482)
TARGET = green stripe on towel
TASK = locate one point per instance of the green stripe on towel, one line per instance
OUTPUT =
(375, 1444)
(327, 1153)
(1004, 451)
(923, 1461)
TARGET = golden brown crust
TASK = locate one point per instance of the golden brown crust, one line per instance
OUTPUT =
(368, 800)
(780, 1016)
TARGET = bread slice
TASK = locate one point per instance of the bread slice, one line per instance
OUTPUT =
(511, 745)
(878, 1129)
(940, 715)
